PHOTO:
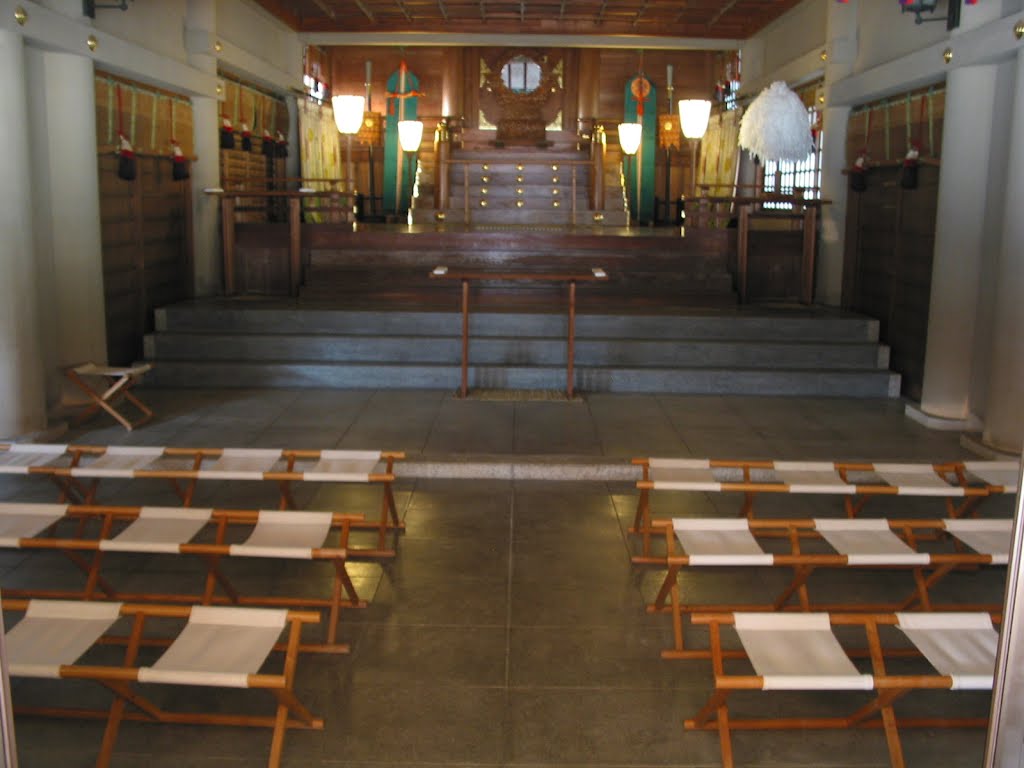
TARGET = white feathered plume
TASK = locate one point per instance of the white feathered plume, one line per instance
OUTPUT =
(775, 126)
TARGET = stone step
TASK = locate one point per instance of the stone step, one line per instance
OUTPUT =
(229, 317)
(817, 383)
(517, 351)
(324, 281)
(798, 352)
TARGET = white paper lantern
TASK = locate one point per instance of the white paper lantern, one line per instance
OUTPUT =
(630, 135)
(348, 113)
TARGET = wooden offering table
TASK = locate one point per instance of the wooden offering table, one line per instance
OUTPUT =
(465, 276)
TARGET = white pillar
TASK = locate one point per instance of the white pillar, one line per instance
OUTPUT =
(206, 254)
(959, 239)
(841, 50)
(66, 210)
(831, 245)
(1004, 417)
(200, 38)
(22, 397)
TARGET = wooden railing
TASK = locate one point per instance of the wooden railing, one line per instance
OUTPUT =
(324, 200)
(297, 203)
(801, 213)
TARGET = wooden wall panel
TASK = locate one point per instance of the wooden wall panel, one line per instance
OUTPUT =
(427, 63)
(145, 225)
(692, 76)
(890, 235)
(890, 244)
(593, 88)
(774, 265)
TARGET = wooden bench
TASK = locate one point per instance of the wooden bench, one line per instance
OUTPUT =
(218, 647)
(800, 652)
(207, 534)
(78, 469)
(716, 543)
(961, 484)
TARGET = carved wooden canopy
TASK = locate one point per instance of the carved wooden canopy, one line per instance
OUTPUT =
(520, 115)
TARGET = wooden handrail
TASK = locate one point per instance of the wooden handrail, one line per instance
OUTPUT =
(284, 193)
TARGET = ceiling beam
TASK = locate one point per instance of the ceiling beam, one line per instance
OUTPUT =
(366, 11)
(640, 13)
(520, 40)
(282, 12)
(724, 10)
(325, 8)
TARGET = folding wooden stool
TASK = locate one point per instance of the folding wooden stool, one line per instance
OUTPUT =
(219, 647)
(116, 383)
(800, 652)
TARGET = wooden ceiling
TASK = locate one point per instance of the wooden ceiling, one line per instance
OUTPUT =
(737, 19)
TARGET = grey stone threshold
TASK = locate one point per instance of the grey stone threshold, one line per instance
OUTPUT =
(533, 467)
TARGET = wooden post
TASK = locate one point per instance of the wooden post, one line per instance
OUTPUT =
(807, 262)
(294, 244)
(139, 259)
(572, 338)
(464, 389)
(742, 245)
(704, 218)
(444, 145)
(227, 218)
(597, 147)
(574, 194)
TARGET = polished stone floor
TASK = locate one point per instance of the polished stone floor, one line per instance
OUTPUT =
(510, 629)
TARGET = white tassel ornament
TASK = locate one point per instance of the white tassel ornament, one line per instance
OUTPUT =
(775, 126)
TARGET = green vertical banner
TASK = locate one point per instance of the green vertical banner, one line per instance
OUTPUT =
(641, 107)
(402, 91)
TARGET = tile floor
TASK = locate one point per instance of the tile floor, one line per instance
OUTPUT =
(510, 629)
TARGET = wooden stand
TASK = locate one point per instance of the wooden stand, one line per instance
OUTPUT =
(465, 276)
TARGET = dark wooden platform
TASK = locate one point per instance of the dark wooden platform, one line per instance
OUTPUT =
(647, 268)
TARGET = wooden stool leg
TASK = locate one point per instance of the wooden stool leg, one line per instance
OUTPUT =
(116, 390)
(724, 736)
(277, 743)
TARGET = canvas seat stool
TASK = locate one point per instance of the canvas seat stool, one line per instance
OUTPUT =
(107, 386)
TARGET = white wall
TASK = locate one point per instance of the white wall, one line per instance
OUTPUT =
(247, 27)
(147, 42)
(156, 26)
(888, 34)
(788, 49)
